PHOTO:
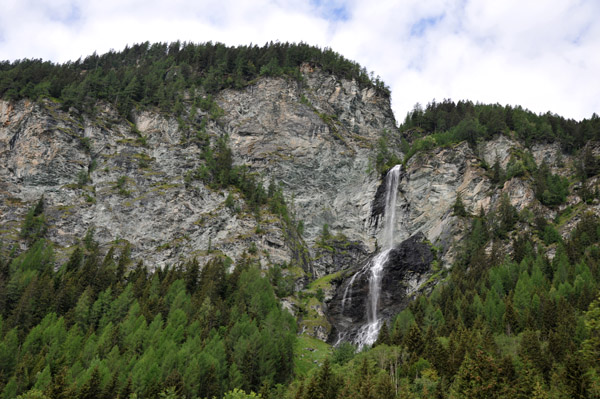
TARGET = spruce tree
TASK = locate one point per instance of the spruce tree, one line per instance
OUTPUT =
(459, 207)
(384, 336)
(91, 388)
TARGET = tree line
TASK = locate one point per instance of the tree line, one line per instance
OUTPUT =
(451, 122)
(160, 74)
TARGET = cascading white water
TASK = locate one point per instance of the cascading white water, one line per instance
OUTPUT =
(367, 334)
(391, 190)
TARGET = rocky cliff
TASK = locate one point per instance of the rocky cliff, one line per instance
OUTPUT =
(128, 180)
(430, 184)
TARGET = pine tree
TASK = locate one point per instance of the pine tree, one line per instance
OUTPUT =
(459, 207)
(480, 376)
(300, 391)
(127, 390)
(507, 216)
(591, 346)
(510, 319)
(111, 389)
(192, 271)
(365, 385)
(531, 350)
(34, 225)
(91, 388)
(414, 341)
(384, 336)
(384, 388)
(325, 385)
(575, 377)
(539, 392)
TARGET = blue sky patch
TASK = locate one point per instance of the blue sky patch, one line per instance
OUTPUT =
(418, 29)
(69, 16)
(331, 10)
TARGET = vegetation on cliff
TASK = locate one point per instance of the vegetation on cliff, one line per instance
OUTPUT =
(165, 75)
(447, 122)
(518, 325)
(501, 325)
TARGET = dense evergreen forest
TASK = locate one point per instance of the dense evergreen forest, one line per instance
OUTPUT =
(100, 327)
(498, 326)
(450, 122)
(161, 74)
(511, 324)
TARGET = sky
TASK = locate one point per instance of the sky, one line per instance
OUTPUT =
(541, 54)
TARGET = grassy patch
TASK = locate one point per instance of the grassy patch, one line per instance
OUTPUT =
(175, 243)
(164, 186)
(568, 213)
(308, 353)
(295, 271)
(508, 345)
(132, 142)
(14, 201)
(120, 186)
(324, 282)
(311, 320)
(143, 160)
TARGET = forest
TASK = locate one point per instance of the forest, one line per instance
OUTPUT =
(450, 122)
(161, 74)
(99, 326)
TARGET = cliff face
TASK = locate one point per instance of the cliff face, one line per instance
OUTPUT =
(406, 270)
(431, 182)
(316, 139)
(313, 138)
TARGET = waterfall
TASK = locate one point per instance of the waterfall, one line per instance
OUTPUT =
(391, 191)
(368, 333)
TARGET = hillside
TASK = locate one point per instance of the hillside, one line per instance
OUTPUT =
(184, 220)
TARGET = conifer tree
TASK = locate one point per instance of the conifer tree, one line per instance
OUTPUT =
(414, 341)
(325, 385)
(384, 336)
(58, 388)
(91, 388)
(510, 319)
(459, 207)
(34, 226)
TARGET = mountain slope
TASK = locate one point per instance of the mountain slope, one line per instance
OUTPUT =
(202, 189)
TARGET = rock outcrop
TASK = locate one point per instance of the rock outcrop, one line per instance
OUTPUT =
(315, 138)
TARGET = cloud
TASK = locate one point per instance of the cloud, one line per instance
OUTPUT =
(539, 55)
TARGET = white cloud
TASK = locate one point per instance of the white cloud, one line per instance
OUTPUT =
(542, 56)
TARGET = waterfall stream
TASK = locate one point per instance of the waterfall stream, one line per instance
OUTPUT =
(367, 334)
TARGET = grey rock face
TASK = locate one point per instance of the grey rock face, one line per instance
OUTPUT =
(315, 138)
(339, 254)
(312, 137)
(431, 182)
(135, 191)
